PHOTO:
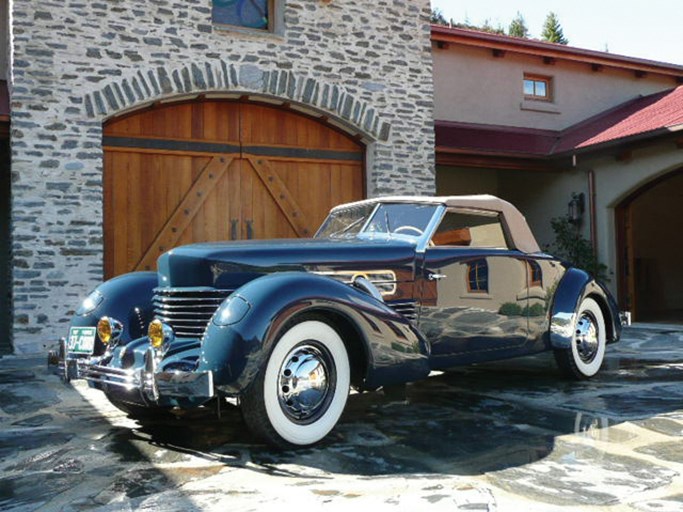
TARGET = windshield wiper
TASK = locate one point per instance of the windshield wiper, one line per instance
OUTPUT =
(347, 228)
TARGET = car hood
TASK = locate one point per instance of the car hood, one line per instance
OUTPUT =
(229, 265)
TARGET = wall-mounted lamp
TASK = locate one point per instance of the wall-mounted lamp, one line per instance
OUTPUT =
(575, 208)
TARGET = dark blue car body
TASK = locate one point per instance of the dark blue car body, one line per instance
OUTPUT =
(403, 304)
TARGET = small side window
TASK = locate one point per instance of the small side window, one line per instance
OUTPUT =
(538, 87)
(534, 273)
(478, 276)
(471, 229)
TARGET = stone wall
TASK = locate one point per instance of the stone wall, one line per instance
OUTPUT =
(365, 63)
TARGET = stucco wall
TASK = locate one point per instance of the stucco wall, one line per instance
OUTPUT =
(365, 64)
(473, 86)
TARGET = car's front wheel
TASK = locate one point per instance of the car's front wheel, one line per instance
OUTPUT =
(584, 357)
(300, 393)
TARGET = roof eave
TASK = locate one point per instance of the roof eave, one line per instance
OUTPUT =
(543, 49)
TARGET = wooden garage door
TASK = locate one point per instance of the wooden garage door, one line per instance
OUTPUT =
(219, 170)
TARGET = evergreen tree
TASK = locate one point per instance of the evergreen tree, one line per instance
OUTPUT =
(488, 27)
(438, 18)
(518, 27)
(552, 30)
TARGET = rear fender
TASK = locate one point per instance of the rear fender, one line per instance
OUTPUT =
(575, 286)
(255, 315)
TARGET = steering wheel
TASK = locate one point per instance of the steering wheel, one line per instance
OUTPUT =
(409, 228)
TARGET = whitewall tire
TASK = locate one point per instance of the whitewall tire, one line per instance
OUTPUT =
(584, 357)
(300, 393)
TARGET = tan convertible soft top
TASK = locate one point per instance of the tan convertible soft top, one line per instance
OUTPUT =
(518, 230)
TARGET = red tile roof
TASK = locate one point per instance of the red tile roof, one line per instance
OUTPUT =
(642, 117)
(496, 139)
(653, 115)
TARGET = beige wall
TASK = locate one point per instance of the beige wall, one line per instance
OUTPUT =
(472, 86)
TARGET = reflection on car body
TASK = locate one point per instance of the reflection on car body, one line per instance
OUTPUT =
(388, 290)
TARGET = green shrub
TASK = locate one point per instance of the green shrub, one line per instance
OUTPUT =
(535, 310)
(569, 245)
(510, 309)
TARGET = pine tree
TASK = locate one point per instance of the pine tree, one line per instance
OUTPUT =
(552, 30)
(438, 18)
(518, 27)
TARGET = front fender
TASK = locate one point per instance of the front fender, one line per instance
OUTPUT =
(575, 286)
(256, 314)
(127, 298)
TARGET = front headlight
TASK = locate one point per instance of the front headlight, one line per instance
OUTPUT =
(159, 333)
(109, 330)
(90, 303)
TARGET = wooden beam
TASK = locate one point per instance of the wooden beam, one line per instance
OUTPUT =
(182, 216)
(624, 156)
(281, 195)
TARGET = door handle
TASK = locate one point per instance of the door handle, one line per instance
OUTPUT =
(233, 229)
(435, 277)
(250, 229)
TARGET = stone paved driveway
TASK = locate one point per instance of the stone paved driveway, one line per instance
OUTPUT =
(506, 437)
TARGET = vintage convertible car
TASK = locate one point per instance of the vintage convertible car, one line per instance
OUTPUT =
(386, 292)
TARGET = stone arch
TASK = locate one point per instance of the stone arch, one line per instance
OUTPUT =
(223, 77)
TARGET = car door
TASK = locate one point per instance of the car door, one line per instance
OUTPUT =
(474, 290)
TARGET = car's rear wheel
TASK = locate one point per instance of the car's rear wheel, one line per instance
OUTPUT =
(300, 393)
(584, 357)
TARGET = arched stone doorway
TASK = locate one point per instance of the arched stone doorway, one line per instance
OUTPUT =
(650, 228)
(209, 170)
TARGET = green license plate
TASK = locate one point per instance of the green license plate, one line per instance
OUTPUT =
(81, 340)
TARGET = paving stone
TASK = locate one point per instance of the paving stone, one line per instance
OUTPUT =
(500, 437)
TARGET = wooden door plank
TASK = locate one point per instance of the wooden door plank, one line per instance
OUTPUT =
(182, 216)
(281, 195)
(630, 251)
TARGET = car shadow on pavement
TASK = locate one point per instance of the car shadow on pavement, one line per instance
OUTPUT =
(470, 421)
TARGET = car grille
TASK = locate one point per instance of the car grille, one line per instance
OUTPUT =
(187, 310)
(405, 308)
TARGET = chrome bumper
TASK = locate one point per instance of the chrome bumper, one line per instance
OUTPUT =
(625, 318)
(151, 383)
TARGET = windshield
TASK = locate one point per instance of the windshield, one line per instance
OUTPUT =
(384, 218)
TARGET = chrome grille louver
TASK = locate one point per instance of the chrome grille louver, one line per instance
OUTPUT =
(187, 310)
(405, 308)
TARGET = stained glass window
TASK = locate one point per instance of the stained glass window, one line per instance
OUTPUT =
(242, 13)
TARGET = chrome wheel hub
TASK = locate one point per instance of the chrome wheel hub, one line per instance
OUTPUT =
(586, 337)
(305, 382)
